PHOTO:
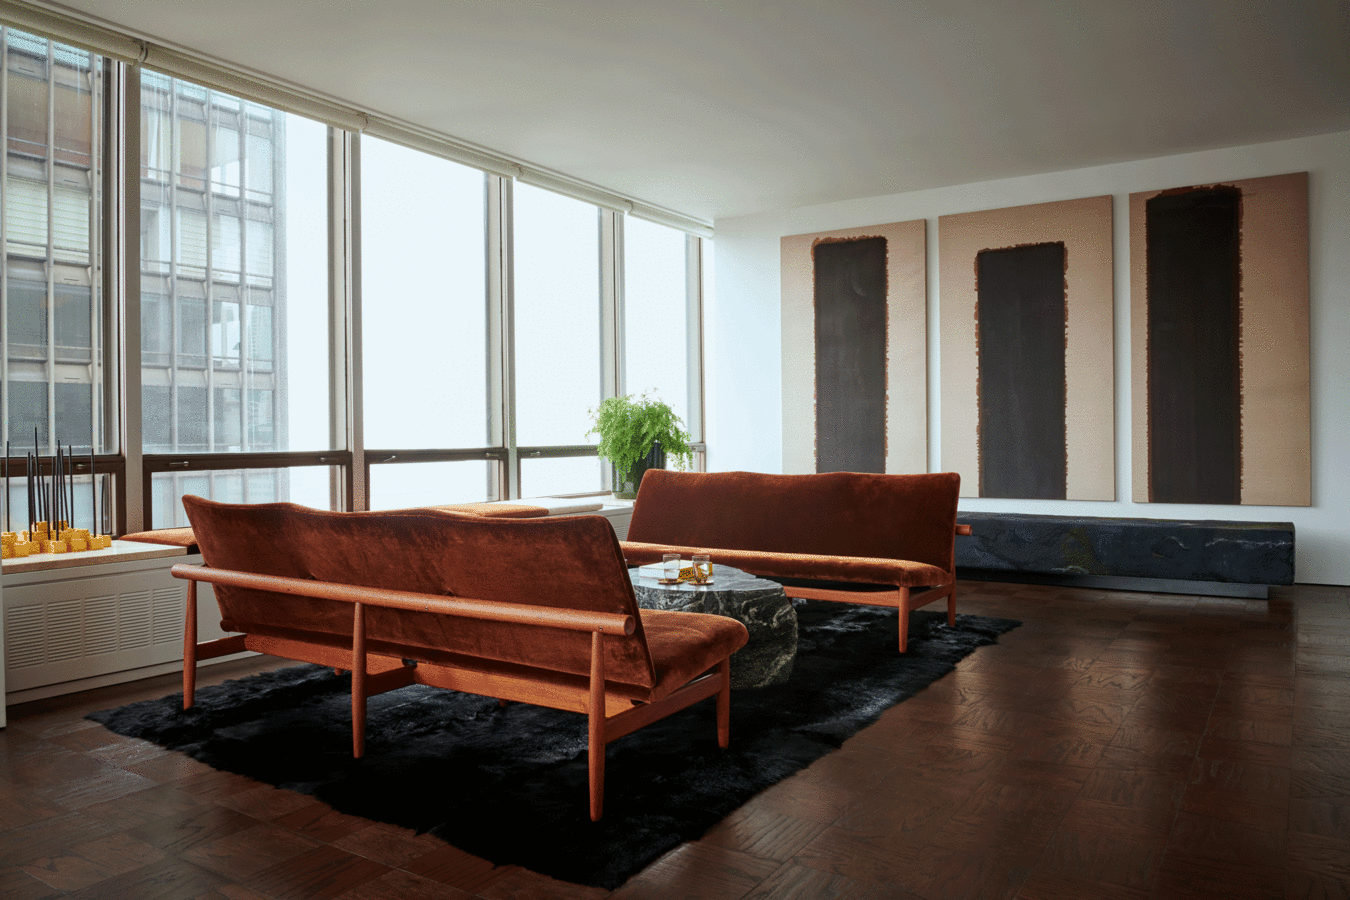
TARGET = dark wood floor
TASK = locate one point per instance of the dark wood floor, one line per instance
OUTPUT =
(1117, 745)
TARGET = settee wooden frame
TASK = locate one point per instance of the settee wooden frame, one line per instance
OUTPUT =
(609, 717)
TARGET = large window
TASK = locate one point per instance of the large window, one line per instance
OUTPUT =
(557, 294)
(656, 327)
(54, 373)
(424, 324)
(234, 286)
(557, 336)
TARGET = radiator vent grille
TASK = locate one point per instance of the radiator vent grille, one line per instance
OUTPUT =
(65, 631)
(25, 643)
(133, 620)
(166, 615)
(56, 631)
(100, 629)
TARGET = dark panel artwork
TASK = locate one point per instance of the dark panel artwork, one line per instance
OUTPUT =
(1022, 313)
(850, 302)
(1194, 376)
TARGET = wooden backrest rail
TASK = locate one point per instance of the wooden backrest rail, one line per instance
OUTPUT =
(518, 613)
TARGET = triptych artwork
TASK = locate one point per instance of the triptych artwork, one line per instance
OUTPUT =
(1219, 347)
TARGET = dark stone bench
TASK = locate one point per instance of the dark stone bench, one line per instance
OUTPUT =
(1238, 559)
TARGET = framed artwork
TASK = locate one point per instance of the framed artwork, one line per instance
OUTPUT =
(1027, 380)
(855, 350)
(1219, 317)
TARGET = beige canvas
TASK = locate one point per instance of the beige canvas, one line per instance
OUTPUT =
(1274, 344)
(1084, 227)
(906, 345)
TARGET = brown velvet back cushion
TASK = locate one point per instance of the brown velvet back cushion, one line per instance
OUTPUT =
(564, 562)
(910, 517)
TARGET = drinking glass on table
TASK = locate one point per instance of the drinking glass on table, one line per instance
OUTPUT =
(702, 568)
(670, 567)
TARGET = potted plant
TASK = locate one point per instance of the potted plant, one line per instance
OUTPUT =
(637, 435)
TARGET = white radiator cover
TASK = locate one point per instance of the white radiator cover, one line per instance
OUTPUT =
(70, 629)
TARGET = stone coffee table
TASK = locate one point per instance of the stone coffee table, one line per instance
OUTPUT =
(760, 604)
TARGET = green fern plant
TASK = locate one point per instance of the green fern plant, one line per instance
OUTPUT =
(628, 427)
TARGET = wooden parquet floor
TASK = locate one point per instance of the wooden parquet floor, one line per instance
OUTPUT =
(1117, 746)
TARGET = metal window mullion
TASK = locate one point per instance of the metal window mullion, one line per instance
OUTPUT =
(694, 334)
(4, 236)
(175, 141)
(208, 206)
(95, 266)
(279, 307)
(501, 320)
(611, 314)
(51, 244)
(125, 138)
(346, 310)
(246, 368)
(611, 304)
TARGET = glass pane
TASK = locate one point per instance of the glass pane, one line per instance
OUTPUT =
(400, 486)
(241, 289)
(563, 475)
(52, 99)
(307, 485)
(27, 325)
(26, 94)
(73, 321)
(157, 416)
(557, 293)
(27, 411)
(74, 414)
(656, 304)
(424, 294)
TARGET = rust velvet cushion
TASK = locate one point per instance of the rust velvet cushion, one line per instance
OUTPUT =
(835, 525)
(177, 537)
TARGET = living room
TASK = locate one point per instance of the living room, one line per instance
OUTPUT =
(1253, 96)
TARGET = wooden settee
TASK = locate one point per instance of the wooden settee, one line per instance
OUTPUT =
(533, 610)
(887, 540)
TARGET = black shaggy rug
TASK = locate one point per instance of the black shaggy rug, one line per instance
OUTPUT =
(509, 784)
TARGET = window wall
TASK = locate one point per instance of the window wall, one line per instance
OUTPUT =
(320, 316)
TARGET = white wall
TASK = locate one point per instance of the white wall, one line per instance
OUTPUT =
(743, 322)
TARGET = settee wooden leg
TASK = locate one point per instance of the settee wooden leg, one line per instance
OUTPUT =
(358, 680)
(595, 721)
(724, 704)
(904, 619)
(190, 647)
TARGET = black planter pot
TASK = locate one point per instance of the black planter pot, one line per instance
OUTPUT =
(627, 488)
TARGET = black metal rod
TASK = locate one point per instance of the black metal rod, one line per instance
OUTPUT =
(70, 486)
(93, 495)
(28, 470)
(37, 456)
(58, 490)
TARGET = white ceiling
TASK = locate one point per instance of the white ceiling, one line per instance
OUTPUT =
(718, 109)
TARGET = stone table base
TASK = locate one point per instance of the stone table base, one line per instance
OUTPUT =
(761, 605)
